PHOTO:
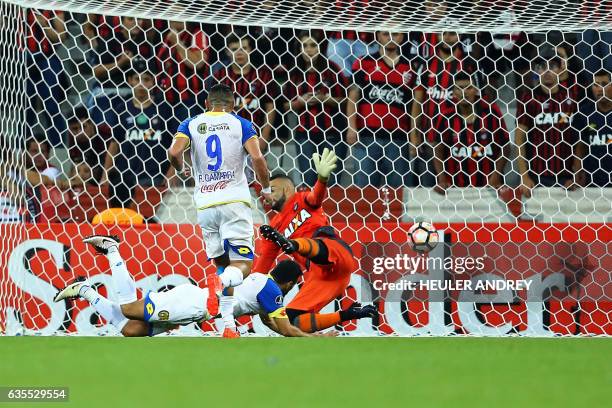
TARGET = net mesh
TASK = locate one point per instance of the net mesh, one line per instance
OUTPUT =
(362, 15)
(488, 122)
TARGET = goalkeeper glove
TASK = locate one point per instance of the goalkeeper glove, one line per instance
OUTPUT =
(325, 164)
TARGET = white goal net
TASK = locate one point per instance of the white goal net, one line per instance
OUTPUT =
(490, 119)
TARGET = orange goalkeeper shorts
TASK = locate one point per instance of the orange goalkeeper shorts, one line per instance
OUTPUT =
(324, 283)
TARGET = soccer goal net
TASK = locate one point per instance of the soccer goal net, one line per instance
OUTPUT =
(490, 119)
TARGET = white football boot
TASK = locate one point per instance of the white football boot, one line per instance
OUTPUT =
(102, 243)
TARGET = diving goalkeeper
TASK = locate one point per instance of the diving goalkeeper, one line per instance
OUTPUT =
(301, 229)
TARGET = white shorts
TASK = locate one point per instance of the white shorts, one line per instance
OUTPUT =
(228, 228)
(182, 304)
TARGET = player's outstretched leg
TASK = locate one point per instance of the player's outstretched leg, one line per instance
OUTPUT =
(287, 245)
(312, 322)
(230, 273)
(110, 311)
(125, 287)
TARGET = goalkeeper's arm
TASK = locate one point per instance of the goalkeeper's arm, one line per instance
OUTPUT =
(324, 165)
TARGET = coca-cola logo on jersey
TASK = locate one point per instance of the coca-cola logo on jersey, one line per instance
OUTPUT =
(387, 95)
(211, 188)
(439, 94)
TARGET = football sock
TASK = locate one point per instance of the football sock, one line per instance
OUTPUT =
(231, 276)
(313, 249)
(226, 307)
(110, 311)
(125, 287)
(307, 247)
(312, 322)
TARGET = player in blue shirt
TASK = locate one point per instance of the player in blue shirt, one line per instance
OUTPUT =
(220, 143)
(159, 312)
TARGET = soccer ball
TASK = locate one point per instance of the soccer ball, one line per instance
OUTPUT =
(423, 237)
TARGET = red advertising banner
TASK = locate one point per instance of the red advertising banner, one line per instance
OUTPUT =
(36, 260)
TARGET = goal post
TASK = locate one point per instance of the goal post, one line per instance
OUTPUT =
(490, 120)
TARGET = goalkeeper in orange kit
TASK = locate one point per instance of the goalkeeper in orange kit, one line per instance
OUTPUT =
(308, 237)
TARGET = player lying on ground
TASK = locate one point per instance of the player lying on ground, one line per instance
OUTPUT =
(328, 261)
(159, 312)
(220, 142)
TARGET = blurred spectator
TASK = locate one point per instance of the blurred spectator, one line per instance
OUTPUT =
(436, 79)
(108, 57)
(137, 153)
(37, 158)
(81, 173)
(39, 172)
(183, 57)
(346, 46)
(11, 198)
(595, 50)
(470, 139)
(315, 92)
(272, 47)
(570, 67)
(114, 42)
(85, 142)
(255, 88)
(381, 114)
(423, 45)
(594, 123)
(46, 30)
(549, 152)
(437, 75)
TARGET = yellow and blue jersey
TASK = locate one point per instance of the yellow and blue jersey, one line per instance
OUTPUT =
(218, 157)
(258, 293)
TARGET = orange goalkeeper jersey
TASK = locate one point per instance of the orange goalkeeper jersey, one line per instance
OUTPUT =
(301, 216)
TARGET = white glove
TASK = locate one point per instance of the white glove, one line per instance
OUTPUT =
(325, 164)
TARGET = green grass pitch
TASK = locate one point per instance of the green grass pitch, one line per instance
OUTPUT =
(335, 372)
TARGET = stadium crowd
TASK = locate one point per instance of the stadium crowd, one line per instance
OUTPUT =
(399, 109)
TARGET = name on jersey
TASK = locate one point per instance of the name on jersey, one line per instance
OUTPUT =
(139, 134)
(600, 140)
(387, 95)
(296, 222)
(216, 176)
(437, 93)
(474, 151)
(546, 118)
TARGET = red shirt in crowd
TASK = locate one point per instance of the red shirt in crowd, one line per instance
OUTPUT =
(550, 136)
(36, 39)
(253, 91)
(180, 80)
(437, 81)
(471, 149)
(350, 10)
(316, 118)
(386, 92)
